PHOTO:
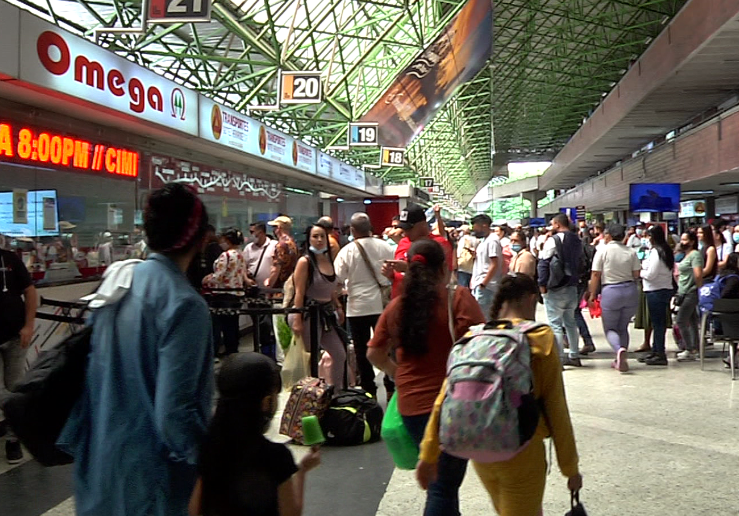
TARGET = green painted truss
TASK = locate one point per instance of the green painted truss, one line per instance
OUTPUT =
(552, 62)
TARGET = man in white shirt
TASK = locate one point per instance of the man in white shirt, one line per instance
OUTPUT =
(359, 263)
(488, 267)
(259, 253)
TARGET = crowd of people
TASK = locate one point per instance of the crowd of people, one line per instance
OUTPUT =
(143, 436)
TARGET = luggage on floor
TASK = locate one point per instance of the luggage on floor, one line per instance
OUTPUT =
(577, 508)
(399, 442)
(40, 404)
(309, 397)
(353, 417)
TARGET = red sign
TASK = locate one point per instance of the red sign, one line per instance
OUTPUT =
(29, 147)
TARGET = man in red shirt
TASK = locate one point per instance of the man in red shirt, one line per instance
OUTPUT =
(413, 223)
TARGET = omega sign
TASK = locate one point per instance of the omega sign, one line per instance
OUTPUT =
(77, 67)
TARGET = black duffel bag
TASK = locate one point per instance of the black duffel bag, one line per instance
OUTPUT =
(354, 417)
(40, 404)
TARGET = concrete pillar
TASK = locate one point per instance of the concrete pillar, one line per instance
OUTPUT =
(534, 197)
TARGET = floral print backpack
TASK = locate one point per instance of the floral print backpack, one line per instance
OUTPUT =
(489, 412)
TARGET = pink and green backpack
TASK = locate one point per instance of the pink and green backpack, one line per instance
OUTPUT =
(490, 413)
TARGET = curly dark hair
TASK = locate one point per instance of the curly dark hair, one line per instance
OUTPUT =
(168, 219)
(511, 289)
(426, 262)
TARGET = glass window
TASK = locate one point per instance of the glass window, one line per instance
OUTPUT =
(73, 225)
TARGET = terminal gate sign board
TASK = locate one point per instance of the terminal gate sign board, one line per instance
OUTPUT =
(178, 11)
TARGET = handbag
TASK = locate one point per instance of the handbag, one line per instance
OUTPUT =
(385, 290)
(576, 508)
(399, 442)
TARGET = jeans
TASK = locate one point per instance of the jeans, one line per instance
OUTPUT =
(619, 303)
(658, 302)
(464, 278)
(484, 297)
(227, 325)
(582, 326)
(560, 305)
(360, 328)
(688, 321)
(442, 498)
(12, 369)
(267, 342)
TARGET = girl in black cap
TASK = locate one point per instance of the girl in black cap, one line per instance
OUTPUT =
(242, 472)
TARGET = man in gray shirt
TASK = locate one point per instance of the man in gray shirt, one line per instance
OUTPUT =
(488, 267)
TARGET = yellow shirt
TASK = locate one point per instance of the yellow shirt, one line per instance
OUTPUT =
(548, 387)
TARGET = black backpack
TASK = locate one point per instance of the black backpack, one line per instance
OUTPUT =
(559, 272)
(40, 404)
(354, 417)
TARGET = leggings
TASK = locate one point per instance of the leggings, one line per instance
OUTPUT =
(619, 303)
(332, 344)
(517, 486)
(687, 320)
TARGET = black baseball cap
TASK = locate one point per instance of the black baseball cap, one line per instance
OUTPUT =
(412, 215)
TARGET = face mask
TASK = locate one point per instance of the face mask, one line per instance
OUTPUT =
(700, 245)
(351, 238)
(479, 234)
(516, 248)
(679, 257)
(735, 237)
(315, 250)
(224, 246)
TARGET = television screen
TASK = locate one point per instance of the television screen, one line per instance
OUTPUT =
(654, 197)
(42, 216)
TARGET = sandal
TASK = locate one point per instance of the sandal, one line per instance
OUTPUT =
(644, 348)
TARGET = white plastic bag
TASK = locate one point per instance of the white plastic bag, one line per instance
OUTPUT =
(296, 365)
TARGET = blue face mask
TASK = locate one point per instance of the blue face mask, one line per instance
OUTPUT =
(735, 237)
(679, 257)
(516, 248)
(315, 250)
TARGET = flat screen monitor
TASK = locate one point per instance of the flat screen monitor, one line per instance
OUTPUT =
(42, 215)
(654, 197)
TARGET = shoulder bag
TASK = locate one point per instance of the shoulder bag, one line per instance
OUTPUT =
(385, 290)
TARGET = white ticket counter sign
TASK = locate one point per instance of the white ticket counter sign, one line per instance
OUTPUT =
(727, 205)
(55, 59)
(232, 129)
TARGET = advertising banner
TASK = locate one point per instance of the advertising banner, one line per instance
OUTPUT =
(454, 58)
(53, 58)
(210, 180)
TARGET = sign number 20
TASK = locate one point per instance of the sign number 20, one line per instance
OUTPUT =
(306, 88)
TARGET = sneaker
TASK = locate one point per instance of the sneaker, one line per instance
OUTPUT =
(13, 452)
(587, 348)
(622, 363)
(659, 359)
(686, 356)
(646, 357)
(571, 361)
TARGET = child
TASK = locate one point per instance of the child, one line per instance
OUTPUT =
(242, 472)
(516, 486)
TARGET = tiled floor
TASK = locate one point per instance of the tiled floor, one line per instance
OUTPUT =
(661, 441)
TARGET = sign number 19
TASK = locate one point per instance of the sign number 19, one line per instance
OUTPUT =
(367, 134)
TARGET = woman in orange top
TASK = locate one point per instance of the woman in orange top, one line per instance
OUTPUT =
(417, 326)
(516, 486)
(523, 261)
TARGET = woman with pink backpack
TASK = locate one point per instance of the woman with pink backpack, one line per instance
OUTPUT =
(505, 438)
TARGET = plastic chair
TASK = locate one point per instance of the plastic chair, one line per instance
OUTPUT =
(727, 313)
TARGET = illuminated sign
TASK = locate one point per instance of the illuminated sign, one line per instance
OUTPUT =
(29, 147)
(55, 59)
(178, 11)
(363, 134)
(300, 88)
(426, 182)
(392, 157)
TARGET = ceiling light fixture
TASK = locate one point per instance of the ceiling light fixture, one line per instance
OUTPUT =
(735, 183)
(697, 192)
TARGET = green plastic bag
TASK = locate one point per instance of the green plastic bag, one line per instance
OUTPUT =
(399, 442)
